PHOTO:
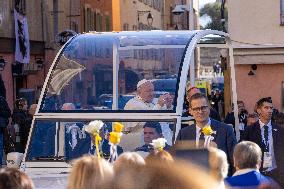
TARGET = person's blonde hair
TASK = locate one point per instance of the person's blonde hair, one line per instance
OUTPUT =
(160, 155)
(128, 160)
(218, 163)
(90, 172)
(161, 176)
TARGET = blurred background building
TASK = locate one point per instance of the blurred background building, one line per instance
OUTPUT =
(256, 28)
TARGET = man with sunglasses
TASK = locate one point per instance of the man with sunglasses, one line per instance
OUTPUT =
(222, 135)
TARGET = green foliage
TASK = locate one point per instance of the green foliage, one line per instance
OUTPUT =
(213, 10)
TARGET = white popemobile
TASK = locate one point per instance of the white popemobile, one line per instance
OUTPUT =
(98, 73)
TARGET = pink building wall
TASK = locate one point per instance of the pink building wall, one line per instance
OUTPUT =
(7, 78)
(267, 81)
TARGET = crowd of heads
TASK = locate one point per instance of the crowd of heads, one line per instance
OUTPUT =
(158, 170)
(130, 170)
(263, 108)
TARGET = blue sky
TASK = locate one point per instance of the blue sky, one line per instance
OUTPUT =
(203, 2)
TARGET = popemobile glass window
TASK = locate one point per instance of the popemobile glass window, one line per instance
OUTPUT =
(111, 71)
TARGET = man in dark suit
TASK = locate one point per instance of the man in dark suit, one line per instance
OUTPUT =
(247, 160)
(223, 134)
(269, 137)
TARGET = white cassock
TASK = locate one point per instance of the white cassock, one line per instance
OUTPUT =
(132, 140)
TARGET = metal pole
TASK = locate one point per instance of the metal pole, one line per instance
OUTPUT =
(42, 21)
(191, 15)
(192, 69)
(70, 13)
(138, 20)
(223, 21)
(55, 18)
(115, 94)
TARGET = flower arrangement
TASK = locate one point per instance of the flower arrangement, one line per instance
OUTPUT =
(118, 127)
(93, 128)
(114, 140)
(159, 143)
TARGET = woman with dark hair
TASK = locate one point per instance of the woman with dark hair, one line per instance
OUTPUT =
(5, 113)
(22, 123)
(11, 178)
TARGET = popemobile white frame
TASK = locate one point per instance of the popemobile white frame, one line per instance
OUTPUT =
(60, 167)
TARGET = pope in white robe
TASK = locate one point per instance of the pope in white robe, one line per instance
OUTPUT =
(144, 100)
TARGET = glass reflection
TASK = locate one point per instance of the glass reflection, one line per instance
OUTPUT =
(84, 71)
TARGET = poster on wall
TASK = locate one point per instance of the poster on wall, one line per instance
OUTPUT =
(22, 52)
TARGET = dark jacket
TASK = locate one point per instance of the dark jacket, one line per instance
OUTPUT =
(5, 112)
(149, 147)
(253, 133)
(24, 121)
(230, 118)
(224, 138)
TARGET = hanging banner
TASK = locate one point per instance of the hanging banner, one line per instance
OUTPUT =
(22, 53)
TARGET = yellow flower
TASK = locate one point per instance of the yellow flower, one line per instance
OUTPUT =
(207, 130)
(118, 127)
(114, 137)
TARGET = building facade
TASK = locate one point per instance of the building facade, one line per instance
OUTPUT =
(256, 28)
(140, 15)
(18, 76)
(96, 15)
(45, 19)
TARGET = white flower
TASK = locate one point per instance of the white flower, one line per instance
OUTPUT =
(208, 140)
(94, 126)
(159, 143)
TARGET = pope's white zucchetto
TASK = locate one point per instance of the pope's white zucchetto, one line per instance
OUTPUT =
(141, 82)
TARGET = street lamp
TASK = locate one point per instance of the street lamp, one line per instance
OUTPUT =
(179, 9)
(149, 18)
